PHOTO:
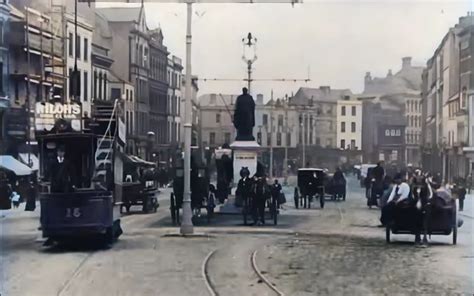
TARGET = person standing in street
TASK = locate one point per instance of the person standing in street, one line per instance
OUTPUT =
(5, 192)
(276, 192)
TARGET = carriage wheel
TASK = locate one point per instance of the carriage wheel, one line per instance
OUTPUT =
(309, 201)
(275, 211)
(321, 201)
(455, 235)
(210, 208)
(244, 210)
(387, 234)
(173, 208)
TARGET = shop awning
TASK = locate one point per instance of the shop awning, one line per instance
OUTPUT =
(11, 164)
(33, 158)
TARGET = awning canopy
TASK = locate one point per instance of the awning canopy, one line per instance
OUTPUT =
(11, 164)
(33, 158)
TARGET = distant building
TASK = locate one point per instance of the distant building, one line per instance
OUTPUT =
(216, 126)
(349, 124)
(175, 95)
(383, 130)
(403, 87)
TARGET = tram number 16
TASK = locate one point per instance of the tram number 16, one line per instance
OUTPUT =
(73, 212)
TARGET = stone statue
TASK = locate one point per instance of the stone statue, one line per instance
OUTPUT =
(244, 116)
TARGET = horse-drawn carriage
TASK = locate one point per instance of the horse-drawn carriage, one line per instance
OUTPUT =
(140, 186)
(311, 184)
(201, 197)
(424, 214)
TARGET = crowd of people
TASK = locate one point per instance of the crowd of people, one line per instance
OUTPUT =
(15, 191)
(256, 192)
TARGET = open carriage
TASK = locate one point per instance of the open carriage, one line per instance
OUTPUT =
(435, 216)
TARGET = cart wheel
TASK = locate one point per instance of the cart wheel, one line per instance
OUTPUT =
(455, 235)
(275, 212)
(321, 201)
(244, 210)
(387, 234)
(173, 209)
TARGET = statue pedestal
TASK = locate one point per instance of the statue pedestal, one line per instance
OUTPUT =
(245, 155)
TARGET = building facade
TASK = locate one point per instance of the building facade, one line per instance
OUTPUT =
(404, 87)
(4, 73)
(79, 52)
(447, 90)
(349, 124)
(174, 120)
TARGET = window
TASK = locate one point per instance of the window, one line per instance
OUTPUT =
(269, 139)
(343, 110)
(105, 86)
(86, 86)
(78, 47)
(70, 83)
(353, 127)
(259, 138)
(353, 110)
(116, 93)
(265, 119)
(95, 85)
(212, 138)
(280, 120)
(71, 44)
(343, 127)
(227, 138)
(99, 95)
(218, 118)
(464, 98)
(343, 144)
(278, 139)
(353, 144)
(86, 49)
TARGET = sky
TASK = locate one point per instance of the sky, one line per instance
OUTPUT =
(332, 42)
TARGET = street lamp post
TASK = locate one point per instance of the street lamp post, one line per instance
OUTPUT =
(250, 42)
(187, 223)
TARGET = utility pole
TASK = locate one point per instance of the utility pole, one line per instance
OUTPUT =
(28, 99)
(249, 60)
(285, 162)
(271, 136)
(187, 223)
(304, 139)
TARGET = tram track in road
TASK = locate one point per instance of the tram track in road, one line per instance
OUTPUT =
(261, 278)
(76, 272)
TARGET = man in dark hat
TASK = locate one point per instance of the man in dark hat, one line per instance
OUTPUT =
(244, 116)
(401, 191)
(61, 173)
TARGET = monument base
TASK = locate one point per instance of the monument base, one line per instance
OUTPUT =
(245, 155)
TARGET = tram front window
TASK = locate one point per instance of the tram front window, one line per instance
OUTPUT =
(69, 164)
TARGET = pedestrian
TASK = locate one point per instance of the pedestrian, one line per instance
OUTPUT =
(259, 199)
(469, 183)
(276, 192)
(15, 199)
(31, 196)
(5, 192)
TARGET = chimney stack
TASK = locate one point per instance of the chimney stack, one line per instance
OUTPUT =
(325, 89)
(389, 74)
(368, 77)
(406, 62)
